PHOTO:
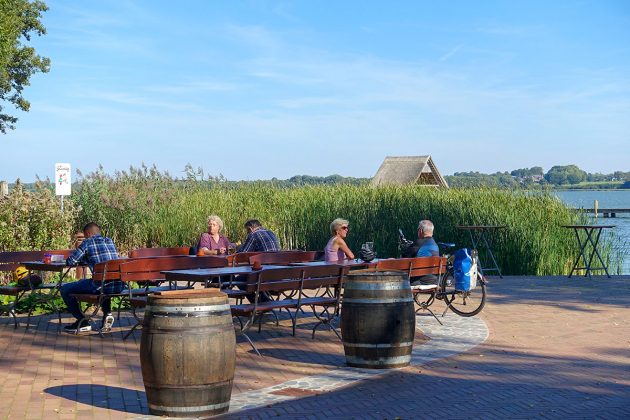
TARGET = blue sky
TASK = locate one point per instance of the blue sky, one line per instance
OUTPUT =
(262, 89)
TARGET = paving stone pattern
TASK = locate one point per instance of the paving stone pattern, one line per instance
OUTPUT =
(456, 336)
(557, 348)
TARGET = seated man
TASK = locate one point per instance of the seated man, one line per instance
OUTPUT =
(258, 238)
(424, 246)
(94, 249)
(262, 240)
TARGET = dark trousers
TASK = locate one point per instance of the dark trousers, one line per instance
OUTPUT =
(427, 280)
(84, 286)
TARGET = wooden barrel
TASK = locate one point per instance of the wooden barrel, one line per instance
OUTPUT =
(378, 320)
(187, 353)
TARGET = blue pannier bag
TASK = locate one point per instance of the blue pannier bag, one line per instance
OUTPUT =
(464, 270)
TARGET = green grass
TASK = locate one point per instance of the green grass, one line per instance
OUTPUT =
(598, 185)
(146, 208)
(156, 213)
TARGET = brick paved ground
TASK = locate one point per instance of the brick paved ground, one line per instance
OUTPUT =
(557, 348)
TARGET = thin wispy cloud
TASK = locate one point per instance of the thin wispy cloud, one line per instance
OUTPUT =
(450, 53)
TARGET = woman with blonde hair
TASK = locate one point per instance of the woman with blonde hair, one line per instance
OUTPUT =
(213, 242)
(336, 249)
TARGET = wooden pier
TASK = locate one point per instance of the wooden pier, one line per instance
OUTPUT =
(606, 212)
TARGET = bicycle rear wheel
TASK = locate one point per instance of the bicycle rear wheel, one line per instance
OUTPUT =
(463, 303)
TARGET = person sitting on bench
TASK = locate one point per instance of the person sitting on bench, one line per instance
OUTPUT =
(94, 249)
(424, 246)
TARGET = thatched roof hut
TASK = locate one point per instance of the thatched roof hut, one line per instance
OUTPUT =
(401, 170)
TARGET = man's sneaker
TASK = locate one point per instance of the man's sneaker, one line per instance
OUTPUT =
(108, 323)
(80, 325)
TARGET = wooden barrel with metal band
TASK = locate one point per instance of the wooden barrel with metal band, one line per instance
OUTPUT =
(187, 353)
(377, 319)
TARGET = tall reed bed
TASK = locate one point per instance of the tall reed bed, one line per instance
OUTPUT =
(146, 208)
(33, 220)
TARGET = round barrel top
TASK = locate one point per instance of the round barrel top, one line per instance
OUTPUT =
(188, 294)
(375, 275)
(481, 227)
(589, 226)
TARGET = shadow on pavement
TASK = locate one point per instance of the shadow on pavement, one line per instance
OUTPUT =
(575, 294)
(506, 384)
(103, 396)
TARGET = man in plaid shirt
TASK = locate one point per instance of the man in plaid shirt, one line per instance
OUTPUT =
(259, 238)
(93, 250)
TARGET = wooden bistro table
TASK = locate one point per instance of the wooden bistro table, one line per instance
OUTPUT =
(479, 236)
(345, 263)
(592, 234)
(53, 288)
(205, 275)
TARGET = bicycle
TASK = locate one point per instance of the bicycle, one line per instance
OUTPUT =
(462, 302)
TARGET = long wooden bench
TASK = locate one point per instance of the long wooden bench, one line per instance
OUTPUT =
(105, 272)
(159, 252)
(240, 258)
(11, 260)
(307, 282)
(423, 294)
(282, 257)
(148, 271)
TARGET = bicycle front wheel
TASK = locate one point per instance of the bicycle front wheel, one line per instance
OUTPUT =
(463, 303)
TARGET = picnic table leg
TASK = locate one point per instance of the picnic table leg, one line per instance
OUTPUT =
(474, 245)
(11, 307)
(582, 246)
(596, 252)
(494, 261)
(472, 239)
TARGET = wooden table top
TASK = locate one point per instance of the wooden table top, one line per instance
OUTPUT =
(589, 226)
(42, 266)
(345, 263)
(202, 274)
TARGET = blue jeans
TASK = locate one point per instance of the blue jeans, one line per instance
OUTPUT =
(86, 287)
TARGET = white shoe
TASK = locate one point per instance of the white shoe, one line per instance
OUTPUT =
(82, 325)
(108, 323)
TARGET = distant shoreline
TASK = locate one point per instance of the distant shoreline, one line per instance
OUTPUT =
(590, 189)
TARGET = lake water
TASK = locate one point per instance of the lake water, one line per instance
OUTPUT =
(620, 235)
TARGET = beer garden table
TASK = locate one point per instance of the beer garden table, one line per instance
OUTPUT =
(479, 235)
(207, 274)
(589, 231)
(345, 263)
(54, 288)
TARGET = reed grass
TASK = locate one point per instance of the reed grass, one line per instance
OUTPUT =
(146, 208)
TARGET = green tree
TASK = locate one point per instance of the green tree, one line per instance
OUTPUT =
(561, 175)
(527, 172)
(19, 19)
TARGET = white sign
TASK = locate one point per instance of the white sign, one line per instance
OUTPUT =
(63, 183)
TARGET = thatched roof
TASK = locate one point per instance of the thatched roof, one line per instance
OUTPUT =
(401, 170)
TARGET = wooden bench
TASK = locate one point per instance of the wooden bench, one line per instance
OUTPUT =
(307, 282)
(105, 272)
(240, 258)
(159, 252)
(423, 294)
(11, 260)
(148, 271)
(282, 257)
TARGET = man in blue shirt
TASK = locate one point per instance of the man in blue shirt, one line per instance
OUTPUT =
(427, 245)
(93, 250)
(424, 246)
(259, 238)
